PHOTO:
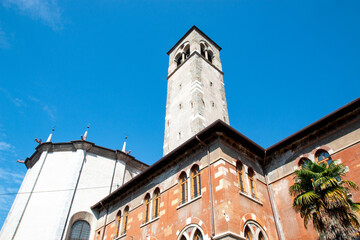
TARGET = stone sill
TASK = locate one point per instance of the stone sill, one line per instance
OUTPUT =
(187, 203)
(147, 223)
(251, 198)
(119, 237)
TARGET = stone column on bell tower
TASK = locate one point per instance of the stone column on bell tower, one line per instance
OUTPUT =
(195, 92)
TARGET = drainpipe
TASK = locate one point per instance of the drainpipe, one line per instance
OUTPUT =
(107, 213)
(272, 202)
(210, 188)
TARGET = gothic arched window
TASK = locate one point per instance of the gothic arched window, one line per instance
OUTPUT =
(147, 208)
(156, 203)
(80, 230)
(196, 181)
(118, 221)
(240, 175)
(202, 49)
(247, 234)
(198, 235)
(251, 175)
(125, 220)
(210, 56)
(183, 188)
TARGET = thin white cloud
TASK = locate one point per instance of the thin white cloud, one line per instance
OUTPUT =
(11, 176)
(4, 146)
(49, 110)
(47, 11)
(15, 100)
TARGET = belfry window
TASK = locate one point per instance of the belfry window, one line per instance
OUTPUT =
(196, 181)
(202, 50)
(187, 51)
(178, 59)
(80, 230)
(156, 203)
(147, 208)
(323, 156)
(251, 175)
(210, 56)
(183, 188)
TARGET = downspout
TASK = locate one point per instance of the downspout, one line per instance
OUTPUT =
(210, 189)
(272, 202)
(73, 197)
(28, 200)
(107, 213)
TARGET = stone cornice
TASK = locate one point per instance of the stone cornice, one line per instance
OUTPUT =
(88, 147)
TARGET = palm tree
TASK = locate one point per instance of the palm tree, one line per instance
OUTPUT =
(321, 196)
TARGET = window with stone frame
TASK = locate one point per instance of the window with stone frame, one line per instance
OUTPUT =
(196, 181)
(156, 203)
(125, 220)
(118, 224)
(240, 175)
(251, 175)
(183, 188)
(147, 208)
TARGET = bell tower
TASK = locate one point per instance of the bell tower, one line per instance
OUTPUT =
(195, 91)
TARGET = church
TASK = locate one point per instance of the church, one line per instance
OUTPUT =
(212, 182)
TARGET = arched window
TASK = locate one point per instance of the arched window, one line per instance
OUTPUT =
(323, 156)
(118, 221)
(196, 181)
(247, 234)
(251, 175)
(303, 162)
(202, 49)
(187, 51)
(254, 231)
(261, 236)
(240, 175)
(183, 188)
(178, 59)
(198, 235)
(125, 220)
(156, 203)
(80, 230)
(210, 55)
(147, 208)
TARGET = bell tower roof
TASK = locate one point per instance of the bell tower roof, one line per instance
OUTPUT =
(194, 28)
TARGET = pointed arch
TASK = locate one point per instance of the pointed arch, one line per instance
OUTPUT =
(183, 188)
(125, 220)
(195, 181)
(156, 203)
(147, 208)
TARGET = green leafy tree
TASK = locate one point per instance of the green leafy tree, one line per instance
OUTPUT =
(323, 197)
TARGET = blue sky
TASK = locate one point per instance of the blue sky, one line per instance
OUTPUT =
(71, 63)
